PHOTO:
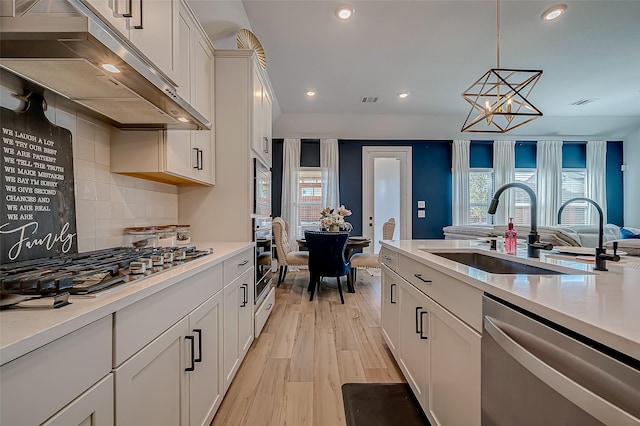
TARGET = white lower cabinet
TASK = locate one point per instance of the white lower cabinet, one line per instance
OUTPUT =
(92, 408)
(390, 309)
(438, 353)
(206, 382)
(238, 323)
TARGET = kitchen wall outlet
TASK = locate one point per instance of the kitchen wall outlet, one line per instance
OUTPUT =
(421, 204)
(421, 213)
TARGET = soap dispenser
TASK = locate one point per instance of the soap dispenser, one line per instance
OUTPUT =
(510, 239)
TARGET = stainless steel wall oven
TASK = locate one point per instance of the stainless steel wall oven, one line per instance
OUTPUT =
(263, 237)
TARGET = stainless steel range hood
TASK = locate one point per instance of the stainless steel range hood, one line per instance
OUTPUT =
(60, 45)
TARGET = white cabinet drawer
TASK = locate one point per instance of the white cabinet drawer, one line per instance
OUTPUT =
(138, 324)
(237, 265)
(38, 384)
(463, 300)
(262, 313)
(390, 258)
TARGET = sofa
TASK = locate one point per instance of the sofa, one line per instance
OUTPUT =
(575, 236)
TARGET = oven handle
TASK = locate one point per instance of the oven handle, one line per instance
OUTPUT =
(588, 401)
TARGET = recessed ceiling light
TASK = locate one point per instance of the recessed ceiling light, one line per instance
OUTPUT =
(310, 93)
(553, 12)
(182, 119)
(345, 12)
(111, 68)
(403, 95)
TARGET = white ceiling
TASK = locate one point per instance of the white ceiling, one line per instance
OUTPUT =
(435, 50)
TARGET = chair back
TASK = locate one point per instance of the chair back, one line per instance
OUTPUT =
(282, 238)
(326, 253)
(387, 229)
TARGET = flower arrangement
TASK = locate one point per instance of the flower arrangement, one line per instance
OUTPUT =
(333, 219)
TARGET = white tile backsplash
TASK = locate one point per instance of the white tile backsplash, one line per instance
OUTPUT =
(106, 203)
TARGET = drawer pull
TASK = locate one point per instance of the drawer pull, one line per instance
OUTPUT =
(269, 307)
(385, 257)
(391, 294)
(419, 276)
(418, 330)
(199, 331)
(193, 365)
(243, 263)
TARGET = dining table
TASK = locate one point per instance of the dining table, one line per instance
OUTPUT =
(354, 242)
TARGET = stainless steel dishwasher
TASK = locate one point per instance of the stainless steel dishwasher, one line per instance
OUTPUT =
(537, 373)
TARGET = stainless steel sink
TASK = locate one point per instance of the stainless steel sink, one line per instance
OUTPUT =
(496, 265)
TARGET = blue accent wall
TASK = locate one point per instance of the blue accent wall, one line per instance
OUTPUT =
(431, 163)
(574, 155)
(481, 154)
(615, 182)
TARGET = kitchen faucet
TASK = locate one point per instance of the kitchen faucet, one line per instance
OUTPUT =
(533, 239)
(601, 252)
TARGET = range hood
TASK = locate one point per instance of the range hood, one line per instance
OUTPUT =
(60, 45)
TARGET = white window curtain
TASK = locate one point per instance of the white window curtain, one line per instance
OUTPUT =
(597, 179)
(330, 167)
(460, 182)
(290, 177)
(504, 171)
(549, 165)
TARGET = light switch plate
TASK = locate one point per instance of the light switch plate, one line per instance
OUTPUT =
(421, 204)
(421, 213)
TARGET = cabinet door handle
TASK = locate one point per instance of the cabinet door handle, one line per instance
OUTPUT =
(122, 7)
(137, 25)
(418, 331)
(423, 313)
(243, 263)
(196, 159)
(244, 288)
(127, 8)
(199, 331)
(193, 366)
(419, 276)
(391, 293)
(265, 143)
(200, 162)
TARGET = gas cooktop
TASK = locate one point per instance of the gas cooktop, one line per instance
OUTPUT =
(87, 274)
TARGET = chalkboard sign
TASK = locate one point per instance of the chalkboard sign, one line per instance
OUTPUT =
(38, 217)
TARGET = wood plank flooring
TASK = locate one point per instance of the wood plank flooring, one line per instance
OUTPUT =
(294, 371)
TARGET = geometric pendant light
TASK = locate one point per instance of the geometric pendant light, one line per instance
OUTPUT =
(499, 98)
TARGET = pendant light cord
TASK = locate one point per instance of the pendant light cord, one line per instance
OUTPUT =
(498, 31)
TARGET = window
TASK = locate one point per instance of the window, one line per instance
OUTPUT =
(523, 203)
(310, 199)
(480, 194)
(574, 184)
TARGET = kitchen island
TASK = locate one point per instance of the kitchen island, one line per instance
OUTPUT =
(433, 305)
(156, 339)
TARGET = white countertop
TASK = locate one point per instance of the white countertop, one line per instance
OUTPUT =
(35, 323)
(603, 306)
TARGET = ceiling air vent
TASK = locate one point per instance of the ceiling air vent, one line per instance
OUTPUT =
(369, 99)
(583, 101)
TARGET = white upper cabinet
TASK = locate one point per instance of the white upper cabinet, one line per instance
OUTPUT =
(261, 110)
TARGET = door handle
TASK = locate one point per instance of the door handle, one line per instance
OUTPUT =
(197, 158)
(423, 313)
(200, 159)
(193, 366)
(245, 289)
(391, 293)
(199, 331)
(265, 143)
(122, 7)
(136, 25)
(418, 331)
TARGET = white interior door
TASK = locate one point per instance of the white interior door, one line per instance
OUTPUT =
(386, 186)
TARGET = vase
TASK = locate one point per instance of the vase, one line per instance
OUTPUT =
(334, 228)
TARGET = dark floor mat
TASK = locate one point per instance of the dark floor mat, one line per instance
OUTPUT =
(381, 404)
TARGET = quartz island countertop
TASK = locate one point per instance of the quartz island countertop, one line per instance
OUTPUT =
(35, 323)
(601, 305)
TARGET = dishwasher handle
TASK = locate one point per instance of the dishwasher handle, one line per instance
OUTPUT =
(582, 397)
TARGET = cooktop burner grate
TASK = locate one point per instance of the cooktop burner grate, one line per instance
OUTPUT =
(88, 273)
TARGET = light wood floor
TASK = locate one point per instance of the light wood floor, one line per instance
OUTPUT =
(294, 371)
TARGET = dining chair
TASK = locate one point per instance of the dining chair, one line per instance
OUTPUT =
(371, 260)
(286, 256)
(326, 258)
